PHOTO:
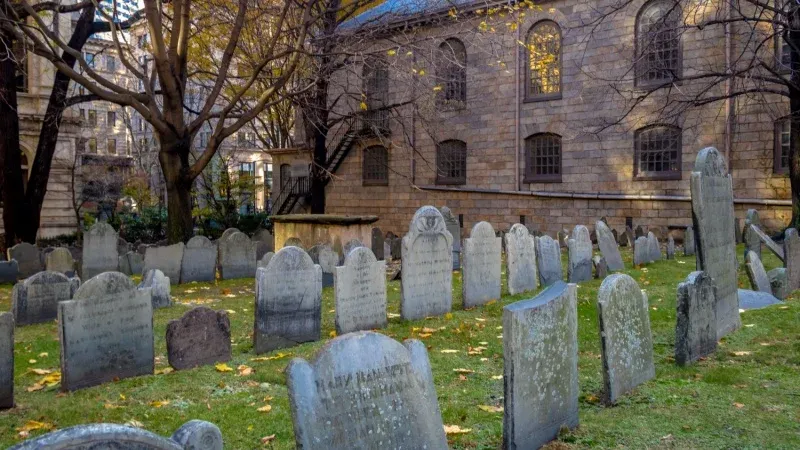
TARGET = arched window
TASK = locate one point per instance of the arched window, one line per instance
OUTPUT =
(376, 92)
(375, 166)
(659, 56)
(451, 73)
(544, 61)
(451, 162)
(543, 158)
(657, 152)
(783, 133)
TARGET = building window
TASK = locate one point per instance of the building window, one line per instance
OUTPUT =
(83, 114)
(111, 63)
(658, 42)
(89, 57)
(142, 144)
(543, 158)
(658, 153)
(111, 118)
(92, 145)
(112, 147)
(544, 61)
(247, 169)
(376, 93)
(452, 74)
(93, 117)
(783, 129)
(375, 166)
(783, 51)
(20, 65)
(451, 162)
(268, 176)
(127, 147)
(246, 139)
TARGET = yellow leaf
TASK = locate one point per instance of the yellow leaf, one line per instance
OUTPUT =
(159, 403)
(267, 439)
(122, 396)
(492, 301)
(422, 72)
(742, 353)
(455, 429)
(437, 88)
(447, 350)
(164, 371)
(332, 333)
(424, 335)
(265, 408)
(43, 355)
(391, 52)
(32, 425)
(480, 319)
(41, 371)
(270, 358)
(738, 405)
(491, 409)
(134, 423)
(222, 367)
(363, 106)
(244, 370)
(463, 371)
(428, 330)
(267, 399)
(448, 316)
(32, 361)
(497, 377)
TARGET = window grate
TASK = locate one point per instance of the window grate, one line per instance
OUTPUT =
(543, 158)
(451, 162)
(658, 152)
(659, 43)
(544, 60)
(375, 169)
(452, 73)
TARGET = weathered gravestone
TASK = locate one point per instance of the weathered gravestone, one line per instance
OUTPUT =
(266, 237)
(106, 332)
(294, 242)
(199, 261)
(653, 247)
(227, 233)
(540, 358)
(200, 337)
(131, 263)
(262, 248)
(779, 282)
(99, 250)
(755, 299)
(600, 267)
(237, 257)
(9, 271)
(35, 299)
(480, 274)
(60, 260)
(629, 235)
(548, 260)
(791, 251)
(288, 301)
(454, 227)
(776, 249)
(159, 286)
(166, 259)
(360, 292)
(193, 435)
(427, 266)
(328, 259)
(562, 237)
(377, 243)
(264, 261)
(756, 273)
(350, 245)
(27, 257)
(579, 248)
(6, 360)
(688, 241)
(639, 232)
(738, 230)
(608, 246)
(397, 248)
(387, 251)
(520, 260)
(696, 327)
(712, 214)
(627, 344)
(670, 247)
(751, 241)
(123, 246)
(641, 251)
(365, 391)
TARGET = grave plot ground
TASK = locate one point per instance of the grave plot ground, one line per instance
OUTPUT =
(745, 395)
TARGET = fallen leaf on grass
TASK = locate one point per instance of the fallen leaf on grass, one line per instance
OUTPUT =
(480, 319)
(226, 291)
(783, 307)
(424, 335)
(448, 316)
(742, 353)
(497, 377)
(43, 355)
(447, 350)
(244, 370)
(41, 371)
(159, 403)
(464, 371)
(392, 315)
(222, 367)
(750, 325)
(455, 429)
(31, 425)
(332, 334)
(271, 358)
(738, 405)
(164, 371)
(267, 439)
(32, 361)
(491, 409)
(46, 381)
(134, 423)
(265, 408)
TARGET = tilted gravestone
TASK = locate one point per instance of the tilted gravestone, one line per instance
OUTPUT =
(377, 243)
(579, 248)
(779, 282)
(237, 257)
(6, 360)
(600, 267)
(199, 261)
(641, 251)
(159, 287)
(288, 301)
(520, 260)
(480, 274)
(167, 259)
(200, 337)
(670, 247)
(427, 282)
(360, 292)
(653, 247)
(696, 327)
(35, 299)
(27, 257)
(264, 261)
(365, 391)
(756, 273)
(751, 241)
(688, 241)
(9, 271)
(193, 435)
(454, 227)
(791, 251)
(548, 260)
(776, 249)
(99, 250)
(60, 260)
(626, 340)
(540, 355)
(712, 214)
(608, 246)
(106, 332)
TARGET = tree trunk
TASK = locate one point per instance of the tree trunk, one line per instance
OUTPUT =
(174, 158)
(10, 161)
(318, 172)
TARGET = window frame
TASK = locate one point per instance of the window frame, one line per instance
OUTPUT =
(92, 117)
(657, 176)
(638, 70)
(384, 180)
(530, 175)
(446, 180)
(445, 67)
(111, 146)
(111, 119)
(528, 97)
(375, 87)
(777, 148)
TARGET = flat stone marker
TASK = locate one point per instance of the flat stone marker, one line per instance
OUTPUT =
(776, 249)
(199, 260)
(751, 241)
(193, 435)
(35, 299)
(627, 344)
(6, 360)
(696, 328)
(264, 261)
(688, 241)
(60, 260)
(106, 332)
(600, 267)
(365, 391)
(579, 264)
(288, 301)
(520, 260)
(791, 251)
(756, 273)
(670, 247)
(9, 271)
(779, 282)
(454, 227)
(540, 354)
(712, 213)
(159, 286)
(360, 292)
(99, 250)
(377, 243)
(167, 259)
(427, 282)
(641, 251)
(548, 260)
(756, 299)
(480, 274)
(237, 257)
(653, 247)
(200, 337)
(608, 246)
(27, 257)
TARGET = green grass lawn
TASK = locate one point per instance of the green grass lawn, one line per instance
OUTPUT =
(747, 395)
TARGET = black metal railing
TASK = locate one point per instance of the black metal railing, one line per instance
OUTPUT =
(292, 190)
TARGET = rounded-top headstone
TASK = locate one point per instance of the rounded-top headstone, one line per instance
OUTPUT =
(359, 255)
(290, 258)
(199, 242)
(106, 283)
(428, 220)
(710, 162)
(60, 260)
(228, 232)
(199, 435)
(293, 242)
(482, 229)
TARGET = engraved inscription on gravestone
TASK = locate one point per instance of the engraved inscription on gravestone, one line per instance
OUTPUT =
(520, 260)
(481, 266)
(696, 327)
(608, 246)
(35, 300)
(360, 292)
(548, 260)
(579, 265)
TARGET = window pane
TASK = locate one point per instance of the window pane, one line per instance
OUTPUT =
(452, 162)
(784, 140)
(658, 150)
(659, 43)
(544, 50)
(543, 156)
(375, 165)
(452, 72)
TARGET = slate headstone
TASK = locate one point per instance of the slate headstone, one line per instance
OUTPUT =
(99, 250)
(480, 274)
(653, 247)
(600, 267)
(670, 247)
(779, 282)
(237, 257)
(200, 337)
(377, 243)
(608, 246)
(328, 259)
(123, 246)
(751, 241)
(266, 237)
(629, 238)
(360, 292)
(199, 260)
(167, 259)
(548, 260)
(397, 248)
(35, 299)
(264, 262)
(387, 251)
(562, 237)
(756, 273)
(579, 261)
(776, 249)
(696, 327)
(639, 232)
(641, 251)
(454, 227)
(27, 257)
(294, 242)
(755, 299)
(6, 360)
(60, 260)
(350, 245)
(262, 248)
(520, 260)
(791, 251)
(738, 230)
(159, 286)
(688, 241)
(9, 271)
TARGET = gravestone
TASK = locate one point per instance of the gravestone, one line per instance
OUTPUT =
(641, 251)
(360, 292)
(639, 232)
(600, 267)
(199, 260)
(427, 282)
(791, 251)
(670, 247)
(454, 227)
(262, 248)
(266, 237)
(351, 245)
(562, 237)
(776, 249)
(608, 246)
(540, 356)
(193, 435)
(387, 251)
(9, 271)
(623, 240)
(167, 259)
(60, 260)
(548, 260)
(328, 259)
(756, 273)
(653, 247)
(779, 282)
(227, 233)
(123, 246)
(579, 249)
(159, 286)
(377, 243)
(6, 360)
(629, 235)
(696, 327)
(35, 299)
(688, 241)
(237, 257)
(288, 301)
(106, 332)
(27, 257)
(293, 242)
(99, 250)
(480, 274)
(397, 248)
(123, 264)
(712, 214)
(627, 344)
(755, 299)
(738, 230)
(200, 337)
(613, 233)
(520, 260)
(43, 255)
(365, 391)
(751, 241)
(264, 262)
